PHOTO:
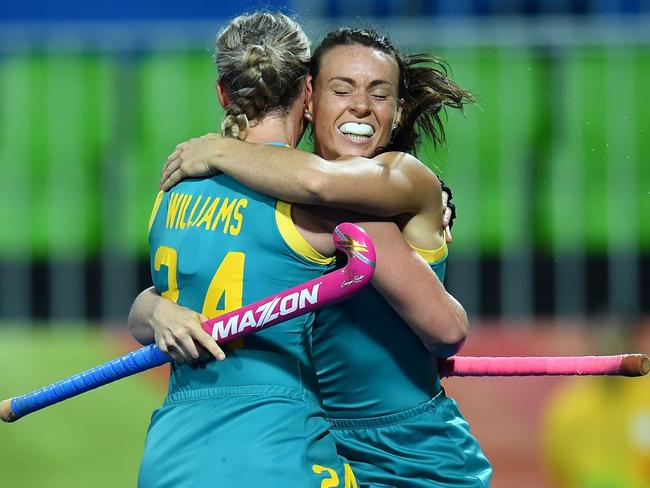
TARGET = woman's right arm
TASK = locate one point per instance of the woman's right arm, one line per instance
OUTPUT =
(390, 184)
(414, 291)
(176, 330)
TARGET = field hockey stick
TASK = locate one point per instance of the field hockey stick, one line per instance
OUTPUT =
(307, 297)
(619, 365)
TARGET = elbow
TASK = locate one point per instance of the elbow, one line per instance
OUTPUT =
(139, 331)
(447, 339)
(459, 332)
(451, 344)
(140, 315)
(447, 346)
(131, 323)
(144, 337)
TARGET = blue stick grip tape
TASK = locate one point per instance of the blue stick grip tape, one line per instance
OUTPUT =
(134, 362)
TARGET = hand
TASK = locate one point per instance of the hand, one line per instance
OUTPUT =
(178, 332)
(191, 159)
(449, 211)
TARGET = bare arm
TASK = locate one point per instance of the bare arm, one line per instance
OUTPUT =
(390, 184)
(176, 330)
(414, 291)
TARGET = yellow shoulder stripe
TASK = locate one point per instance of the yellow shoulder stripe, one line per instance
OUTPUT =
(434, 255)
(294, 238)
(156, 206)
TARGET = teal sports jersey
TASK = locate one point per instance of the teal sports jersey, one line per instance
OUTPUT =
(254, 419)
(381, 390)
(369, 361)
(215, 246)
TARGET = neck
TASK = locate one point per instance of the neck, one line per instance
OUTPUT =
(274, 128)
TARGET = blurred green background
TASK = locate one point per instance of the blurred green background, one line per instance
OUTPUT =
(549, 165)
(69, 119)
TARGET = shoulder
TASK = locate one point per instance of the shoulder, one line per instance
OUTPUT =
(409, 164)
(423, 180)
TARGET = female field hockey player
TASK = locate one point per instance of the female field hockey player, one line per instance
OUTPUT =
(254, 420)
(382, 393)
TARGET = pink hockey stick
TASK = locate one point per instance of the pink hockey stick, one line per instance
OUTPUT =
(619, 365)
(307, 297)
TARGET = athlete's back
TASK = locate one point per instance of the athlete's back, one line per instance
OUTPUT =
(225, 243)
(216, 245)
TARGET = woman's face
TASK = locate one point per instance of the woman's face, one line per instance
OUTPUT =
(354, 103)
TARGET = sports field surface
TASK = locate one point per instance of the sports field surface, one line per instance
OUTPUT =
(95, 439)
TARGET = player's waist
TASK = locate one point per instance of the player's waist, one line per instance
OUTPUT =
(245, 393)
(369, 422)
(386, 390)
(245, 368)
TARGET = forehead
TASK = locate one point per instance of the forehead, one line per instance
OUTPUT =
(360, 63)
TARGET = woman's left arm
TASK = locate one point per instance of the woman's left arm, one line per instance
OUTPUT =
(387, 185)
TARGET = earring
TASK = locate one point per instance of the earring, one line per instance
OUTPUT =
(307, 114)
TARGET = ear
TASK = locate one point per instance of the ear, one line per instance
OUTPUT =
(309, 93)
(222, 94)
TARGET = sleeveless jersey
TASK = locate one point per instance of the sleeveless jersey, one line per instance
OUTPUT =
(381, 391)
(215, 246)
(369, 362)
(254, 419)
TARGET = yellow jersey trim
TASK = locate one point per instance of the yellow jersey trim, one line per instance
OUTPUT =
(294, 238)
(156, 206)
(433, 256)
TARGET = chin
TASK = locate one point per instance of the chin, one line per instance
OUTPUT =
(352, 149)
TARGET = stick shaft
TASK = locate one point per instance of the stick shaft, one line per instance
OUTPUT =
(301, 299)
(134, 362)
(309, 296)
(618, 365)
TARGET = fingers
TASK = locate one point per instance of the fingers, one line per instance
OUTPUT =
(171, 166)
(210, 345)
(176, 176)
(207, 343)
(446, 217)
(445, 199)
(190, 158)
(179, 346)
(175, 154)
(187, 347)
(448, 238)
(189, 342)
(167, 345)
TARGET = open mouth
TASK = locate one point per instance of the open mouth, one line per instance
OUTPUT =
(357, 132)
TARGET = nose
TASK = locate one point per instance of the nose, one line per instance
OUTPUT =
(360, 105)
